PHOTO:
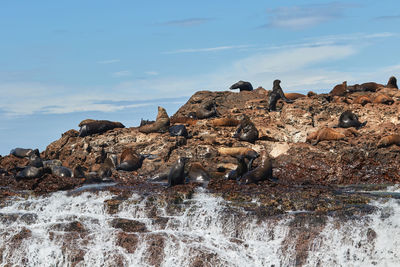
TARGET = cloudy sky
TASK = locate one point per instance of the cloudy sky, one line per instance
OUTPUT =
(117, 60)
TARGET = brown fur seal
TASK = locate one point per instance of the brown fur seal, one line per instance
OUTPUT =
(362, 100)
(130, 161)
(311, 94)
(370, 87)
(177, 173)
(383, 99)
(348, 119)
(206, 110)
(294, 96)
(224, 122)
(234, 151)
(89, 127)
(239, 171)
(185, 120)
(392, 83)
(160, 125)
(198, 174)
(261, 173)
(276, 94)
(339, 89)
(246, 130)
(242, 85)
(389, 140)
(325, 134)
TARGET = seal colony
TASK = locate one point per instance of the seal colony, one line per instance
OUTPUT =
(199, 144)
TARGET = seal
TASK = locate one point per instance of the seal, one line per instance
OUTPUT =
(382, 99)
(130, 160)
(161, 124)
(90, 127)
(261, 173)
(30, 172)
(78, 171)
(206, 110)
(392, 83)
(178, 130)
(61, 171)
(389, 140)
(339, 89)
(325, 134)
(242, 86)
(53, 162)
(24, 152)
(246, 130)
(362, 100)
(275, 95)
(294, 96)
(36, 161)
(177, 173)
(198, 174)
(185, 120)
(239, 171)
(228, 122)
(348, 119)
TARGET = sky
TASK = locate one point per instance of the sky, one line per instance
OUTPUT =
(62, 62)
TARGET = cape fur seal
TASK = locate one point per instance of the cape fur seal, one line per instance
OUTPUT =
(349, 119)
(294, 96)
(261, 173)
(389, 140)
(392, 83)
(177, 173)
(382, 99)
(178, 130)
(89, 126)
(206, 110)
(61, 171)
(246, 130)
(160, 125)
(241, 169)
(339, 89)
(198, 174)
(30, 172)
(276, 94)
(324, 134)
(242, 86)
(24, 152)
(130, 160)
(224, 122)
(362, 100)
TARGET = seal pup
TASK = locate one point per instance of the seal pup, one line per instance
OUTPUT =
(24, 152)
(90, 127)
(242, 86)
(392, 83)
(30, 172)
(276, 94)
(261, 173)
(177, 173)
(246, 130)
(389, 140)
(161, 124)
(130, 160)
(348, 119)
(339, 89)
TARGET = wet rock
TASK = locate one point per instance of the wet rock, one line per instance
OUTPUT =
(128, 225)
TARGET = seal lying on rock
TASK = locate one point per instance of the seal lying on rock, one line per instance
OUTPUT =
(325, 134)
(89, 126)
(30, 172)
(239, 171)
(362, 100)
(389, 140)
(261, 173)
(349, 119)
(294, 96)
(206, 110)
(246, 130)
(130, 161)
(61, 171)
(198, 174)
(224, 122)
(242, 85)
(339, 90)
(24, 152)
(276, 94)
(160, 125)
(382, 99)
(177, 173)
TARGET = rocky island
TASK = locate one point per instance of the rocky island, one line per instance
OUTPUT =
(321, 169)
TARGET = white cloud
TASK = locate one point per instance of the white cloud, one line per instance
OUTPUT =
(151, 73)
(110, 61)
(208, 49)
(122, 73)
(187, 22)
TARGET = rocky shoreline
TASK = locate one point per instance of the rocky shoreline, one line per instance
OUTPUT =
(306, 177)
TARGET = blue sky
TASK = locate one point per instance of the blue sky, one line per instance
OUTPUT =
(117, 60)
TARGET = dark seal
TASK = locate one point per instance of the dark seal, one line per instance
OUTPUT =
(177, 173)
(130, 160)
(242, 86)
(30, 172)
(89, 127)
(246, 130)
(261, 173)
(348, 119)
(24, 152)
(239, 171)
(61, 171)
(205, 110)
(392, 83)
(276, 94)
(178, 130)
